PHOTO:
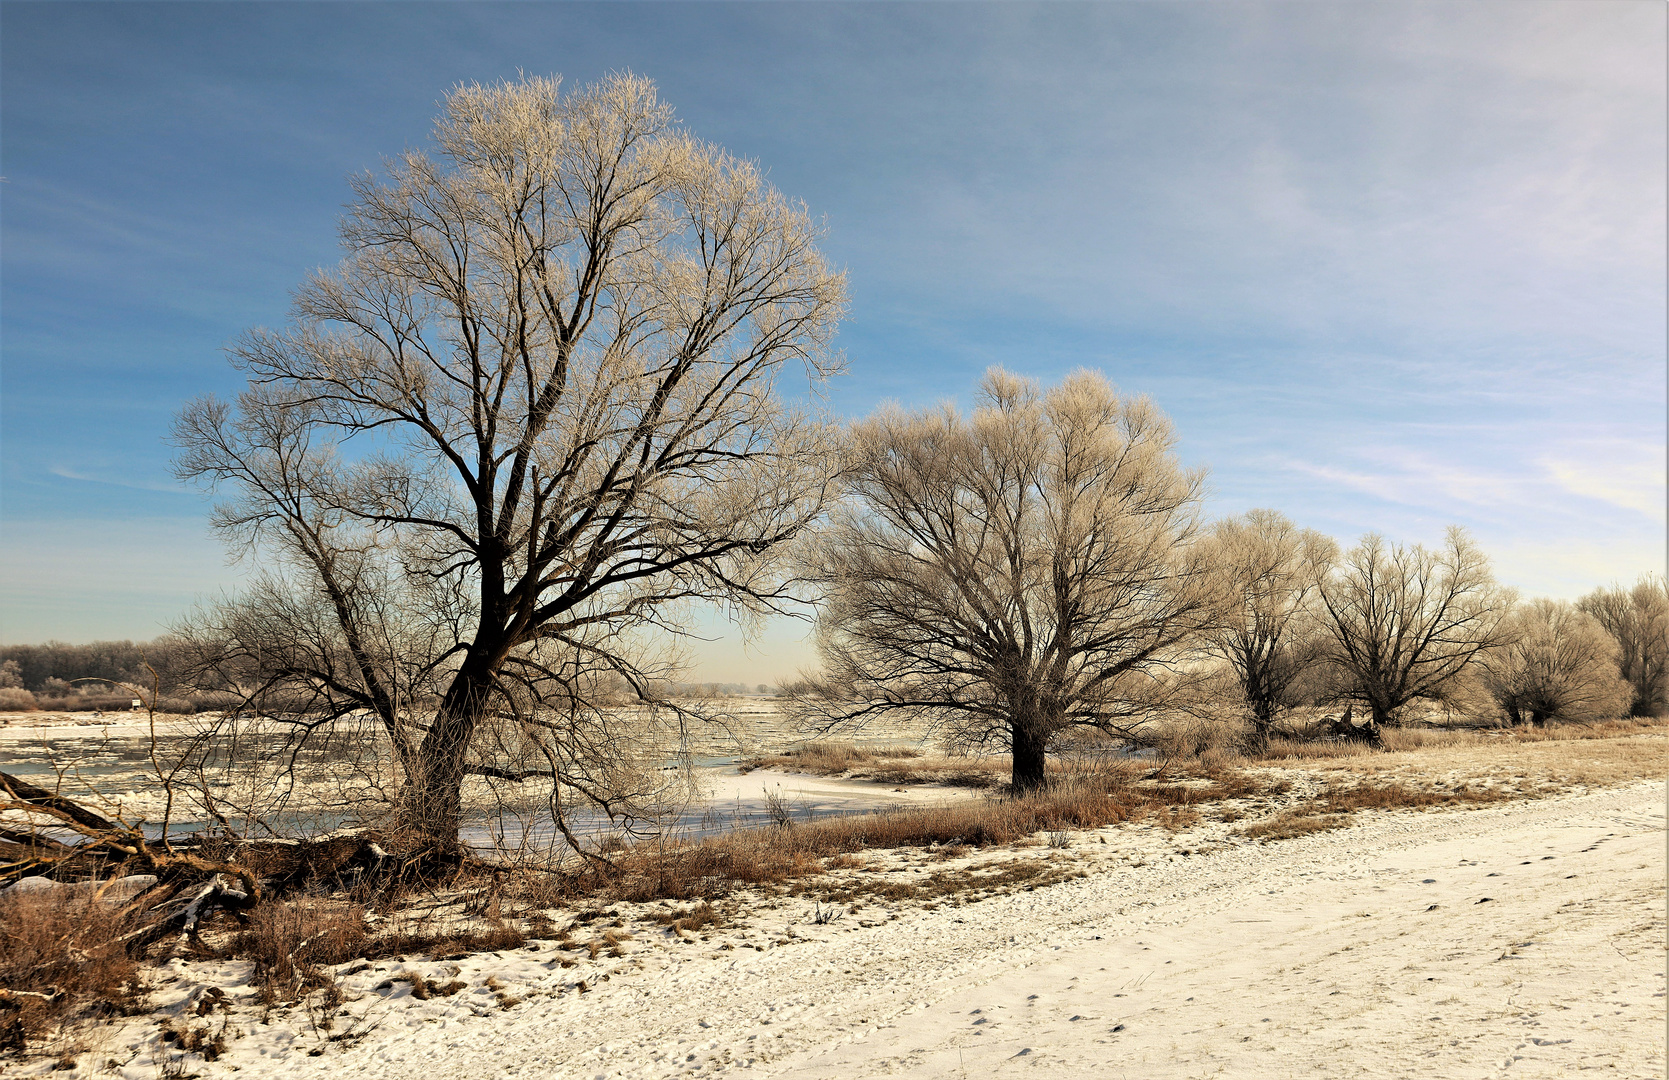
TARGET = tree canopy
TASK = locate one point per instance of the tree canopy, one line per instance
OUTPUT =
(1014, 573)
(532, 412)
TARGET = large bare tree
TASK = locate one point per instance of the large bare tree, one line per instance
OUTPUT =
(532, 412)
(1012, 574)
(1638, 618)
(1405, 621)
(1560, 665)
(1268, 636)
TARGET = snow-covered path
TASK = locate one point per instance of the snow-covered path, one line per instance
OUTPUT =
(1519, 940)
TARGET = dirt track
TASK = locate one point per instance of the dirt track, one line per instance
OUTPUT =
(1534, 949)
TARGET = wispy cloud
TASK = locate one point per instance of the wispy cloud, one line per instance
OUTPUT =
(1626, 473)
(1416, 479)
(83, 476)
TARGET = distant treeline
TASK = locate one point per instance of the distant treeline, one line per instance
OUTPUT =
(54, 674)
(42, 668)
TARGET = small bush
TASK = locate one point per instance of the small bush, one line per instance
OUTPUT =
(1185, 738)
(290, 943)
(17, 699)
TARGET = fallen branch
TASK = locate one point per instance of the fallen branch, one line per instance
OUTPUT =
(65, 809)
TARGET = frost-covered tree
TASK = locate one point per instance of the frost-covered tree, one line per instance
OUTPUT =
(1008, 575)
(1639, 620)
(1406, 621)
(533, 411)
(1268, 636)
(1560, 664)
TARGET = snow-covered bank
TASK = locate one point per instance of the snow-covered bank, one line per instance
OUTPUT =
(1520, 939)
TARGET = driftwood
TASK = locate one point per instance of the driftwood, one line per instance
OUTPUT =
(194, 876)
(1344, 727)
(106, 846)
(72, 813)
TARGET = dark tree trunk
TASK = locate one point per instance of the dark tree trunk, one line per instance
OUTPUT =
(1029, 742)
(1379, 718)
(431, 802)
(1263, 724)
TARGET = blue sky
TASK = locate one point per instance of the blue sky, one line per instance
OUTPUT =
(1388, 266)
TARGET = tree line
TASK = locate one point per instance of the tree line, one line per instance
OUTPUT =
(1043, 565)
(565, 384)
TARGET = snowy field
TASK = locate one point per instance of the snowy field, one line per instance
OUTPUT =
(1524, 939)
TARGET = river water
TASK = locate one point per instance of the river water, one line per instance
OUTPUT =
(263, 782)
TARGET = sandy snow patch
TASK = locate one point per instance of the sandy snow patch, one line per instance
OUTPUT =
(1522, 939)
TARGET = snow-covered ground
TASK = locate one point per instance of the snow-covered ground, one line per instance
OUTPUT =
(1521, 939)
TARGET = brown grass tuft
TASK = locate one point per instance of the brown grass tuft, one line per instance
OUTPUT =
(1291, 823)
(1334, 806)
(61, 960)
(291, 943)
(710, 867)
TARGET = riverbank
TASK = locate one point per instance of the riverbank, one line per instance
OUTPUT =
(1511, 935)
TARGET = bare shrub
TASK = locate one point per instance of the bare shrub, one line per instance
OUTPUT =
(1561, 665)
(1182, 737)
(290, 944)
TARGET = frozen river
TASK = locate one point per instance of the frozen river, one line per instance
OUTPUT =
(113, 764)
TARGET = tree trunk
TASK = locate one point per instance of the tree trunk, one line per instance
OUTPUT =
(1379, 718)
(431, 806)
(1263, 724)
(1029, 744)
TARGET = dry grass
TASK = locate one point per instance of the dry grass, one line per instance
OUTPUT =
(830, 758)
(772, 856)
(961, 884)
(294, 945)
(692, 920)
(1528, 767)
(291, 943)
(1292, 823)
(1334, 806)
(909, 765)
(61, 960)
(885, 764)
